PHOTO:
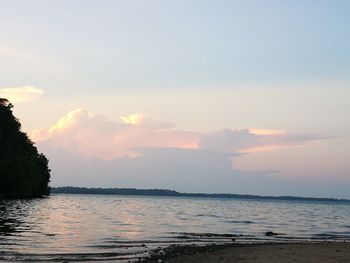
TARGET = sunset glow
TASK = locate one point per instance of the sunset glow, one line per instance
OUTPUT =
(188, 131)
(266, 132)
(132, 119)
(135, 93)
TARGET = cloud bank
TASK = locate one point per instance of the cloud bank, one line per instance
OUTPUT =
(93, 136)
(21, 94)
(86, 149)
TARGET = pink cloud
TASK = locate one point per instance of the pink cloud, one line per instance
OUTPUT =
(92, 136)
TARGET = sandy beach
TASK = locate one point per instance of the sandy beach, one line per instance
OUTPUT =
(304, 253)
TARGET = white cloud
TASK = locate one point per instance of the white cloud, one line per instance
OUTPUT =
(21, 94)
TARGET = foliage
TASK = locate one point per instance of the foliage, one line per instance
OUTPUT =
(23, 171)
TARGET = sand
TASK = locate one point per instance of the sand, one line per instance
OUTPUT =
(285, 253)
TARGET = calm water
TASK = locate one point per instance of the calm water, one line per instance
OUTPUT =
(92, 227)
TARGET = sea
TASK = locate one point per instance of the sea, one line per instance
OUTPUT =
(116, 228)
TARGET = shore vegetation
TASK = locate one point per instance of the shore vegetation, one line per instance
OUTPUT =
(24, 172)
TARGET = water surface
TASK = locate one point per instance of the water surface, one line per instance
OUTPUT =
(120, 228)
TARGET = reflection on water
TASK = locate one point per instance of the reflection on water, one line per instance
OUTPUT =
(88, 227)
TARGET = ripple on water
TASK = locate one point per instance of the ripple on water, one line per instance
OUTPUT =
(76, 227)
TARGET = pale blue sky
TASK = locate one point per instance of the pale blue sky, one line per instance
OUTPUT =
(115, 46)
(201, 65)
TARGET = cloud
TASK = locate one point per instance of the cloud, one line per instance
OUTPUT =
(258, 131)
(184, 170)
(86, 149)
(93, 136)
(133, 118)
(181, 169)
(21, 94)
(250, 140)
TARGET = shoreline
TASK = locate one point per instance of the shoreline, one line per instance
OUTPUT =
(308, 252)
(172, 193)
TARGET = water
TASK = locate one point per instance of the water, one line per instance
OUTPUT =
(120, 228)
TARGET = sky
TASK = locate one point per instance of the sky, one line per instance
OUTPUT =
(248, 97)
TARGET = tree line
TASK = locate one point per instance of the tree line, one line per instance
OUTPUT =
(24, 172)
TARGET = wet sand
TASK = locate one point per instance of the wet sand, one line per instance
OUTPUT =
(304, 253)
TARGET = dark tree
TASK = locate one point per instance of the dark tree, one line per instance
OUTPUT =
(23, 171)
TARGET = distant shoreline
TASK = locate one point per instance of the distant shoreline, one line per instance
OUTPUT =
(172, 193)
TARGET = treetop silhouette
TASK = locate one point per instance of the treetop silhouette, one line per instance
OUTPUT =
(24, 171)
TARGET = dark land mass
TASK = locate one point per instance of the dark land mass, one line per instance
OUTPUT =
(165, 192)
(24, 172)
